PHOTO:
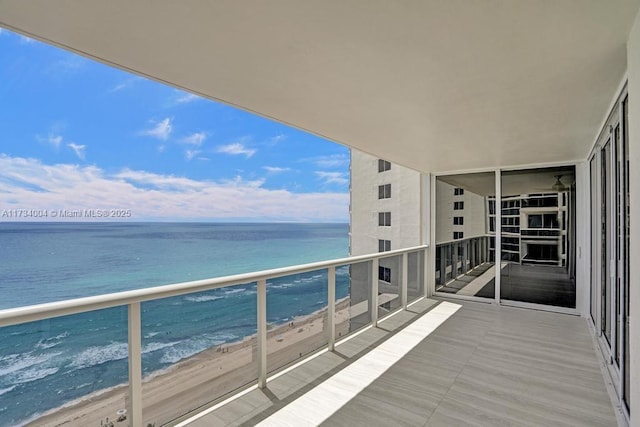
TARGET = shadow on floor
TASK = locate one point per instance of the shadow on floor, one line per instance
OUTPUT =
(460, 282)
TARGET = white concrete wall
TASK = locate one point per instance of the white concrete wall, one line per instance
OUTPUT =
(404, 205)
(474, 213)
(633, 73)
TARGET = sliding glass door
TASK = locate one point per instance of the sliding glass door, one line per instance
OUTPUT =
(538, 236)
(610, 228)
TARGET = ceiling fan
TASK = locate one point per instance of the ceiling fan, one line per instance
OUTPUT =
(558, 185)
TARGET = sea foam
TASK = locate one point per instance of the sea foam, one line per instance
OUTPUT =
(202, 298)
(14, 363)
(98, 355)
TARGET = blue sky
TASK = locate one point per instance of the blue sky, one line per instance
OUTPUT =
(77, 134)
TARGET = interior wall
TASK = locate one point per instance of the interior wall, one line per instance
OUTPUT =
(633, 73)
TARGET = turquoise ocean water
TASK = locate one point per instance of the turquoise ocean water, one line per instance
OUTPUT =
(46, 364)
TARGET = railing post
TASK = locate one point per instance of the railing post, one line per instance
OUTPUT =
(443, 264)
(455, 258)
(134, 410)
(464, 256)
(426, 267)
(262, 333)
(405, 280)
(374, 292)
(331, 311)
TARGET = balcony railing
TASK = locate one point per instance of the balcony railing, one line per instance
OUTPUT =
(394, 291)
(456, 257)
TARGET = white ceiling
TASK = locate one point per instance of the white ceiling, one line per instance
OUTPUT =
(516, 182)
(437, 85)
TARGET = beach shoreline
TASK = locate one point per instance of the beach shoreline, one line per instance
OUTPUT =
(187, 385)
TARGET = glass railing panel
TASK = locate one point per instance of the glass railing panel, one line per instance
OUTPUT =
(342, 312)
(460, 258)
(389, 282)
(69, 370)
(438, 267)
(415, 275)
(449, 272)
(359, 295)
(196, 348)
(296, 317)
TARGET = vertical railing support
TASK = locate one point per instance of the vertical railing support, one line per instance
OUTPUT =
(262, 333)
(331, 311)
(134, 410)
(374, 292)
(443, 264)
(427, 269)
(454, 260)
(405, 280)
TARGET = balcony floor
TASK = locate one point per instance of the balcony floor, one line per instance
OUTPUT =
(484, 366)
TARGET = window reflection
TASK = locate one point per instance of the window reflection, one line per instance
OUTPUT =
(538, 236)
(465, 234)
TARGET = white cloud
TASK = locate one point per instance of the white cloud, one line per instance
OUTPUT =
(79, 149)
(53, 140)
(275, 169)
(236, 148)
(331, 161)
(186, 98)
(125, 84)
(278, 138)
(195, 139)
(190, 154)
(30, 184)
(26, 40)
(339, 178)
(162, 130)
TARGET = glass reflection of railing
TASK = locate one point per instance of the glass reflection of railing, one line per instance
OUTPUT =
(189, 363)
(456, 257)
(541, 202)
(540, 232)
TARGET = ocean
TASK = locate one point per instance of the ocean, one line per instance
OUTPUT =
(46, 364)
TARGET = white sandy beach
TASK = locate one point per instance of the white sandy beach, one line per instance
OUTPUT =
(201, 378)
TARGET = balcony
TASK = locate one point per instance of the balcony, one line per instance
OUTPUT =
(483, 366)
(412, 360)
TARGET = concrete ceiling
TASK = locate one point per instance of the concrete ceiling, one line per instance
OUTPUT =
(514, 183)
(436, 85)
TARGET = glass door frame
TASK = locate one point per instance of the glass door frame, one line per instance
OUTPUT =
(498, 240)
(608, 238)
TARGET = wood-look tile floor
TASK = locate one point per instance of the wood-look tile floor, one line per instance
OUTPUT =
(484, 366)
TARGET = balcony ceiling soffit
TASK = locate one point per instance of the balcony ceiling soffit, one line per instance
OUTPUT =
(433, 85)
